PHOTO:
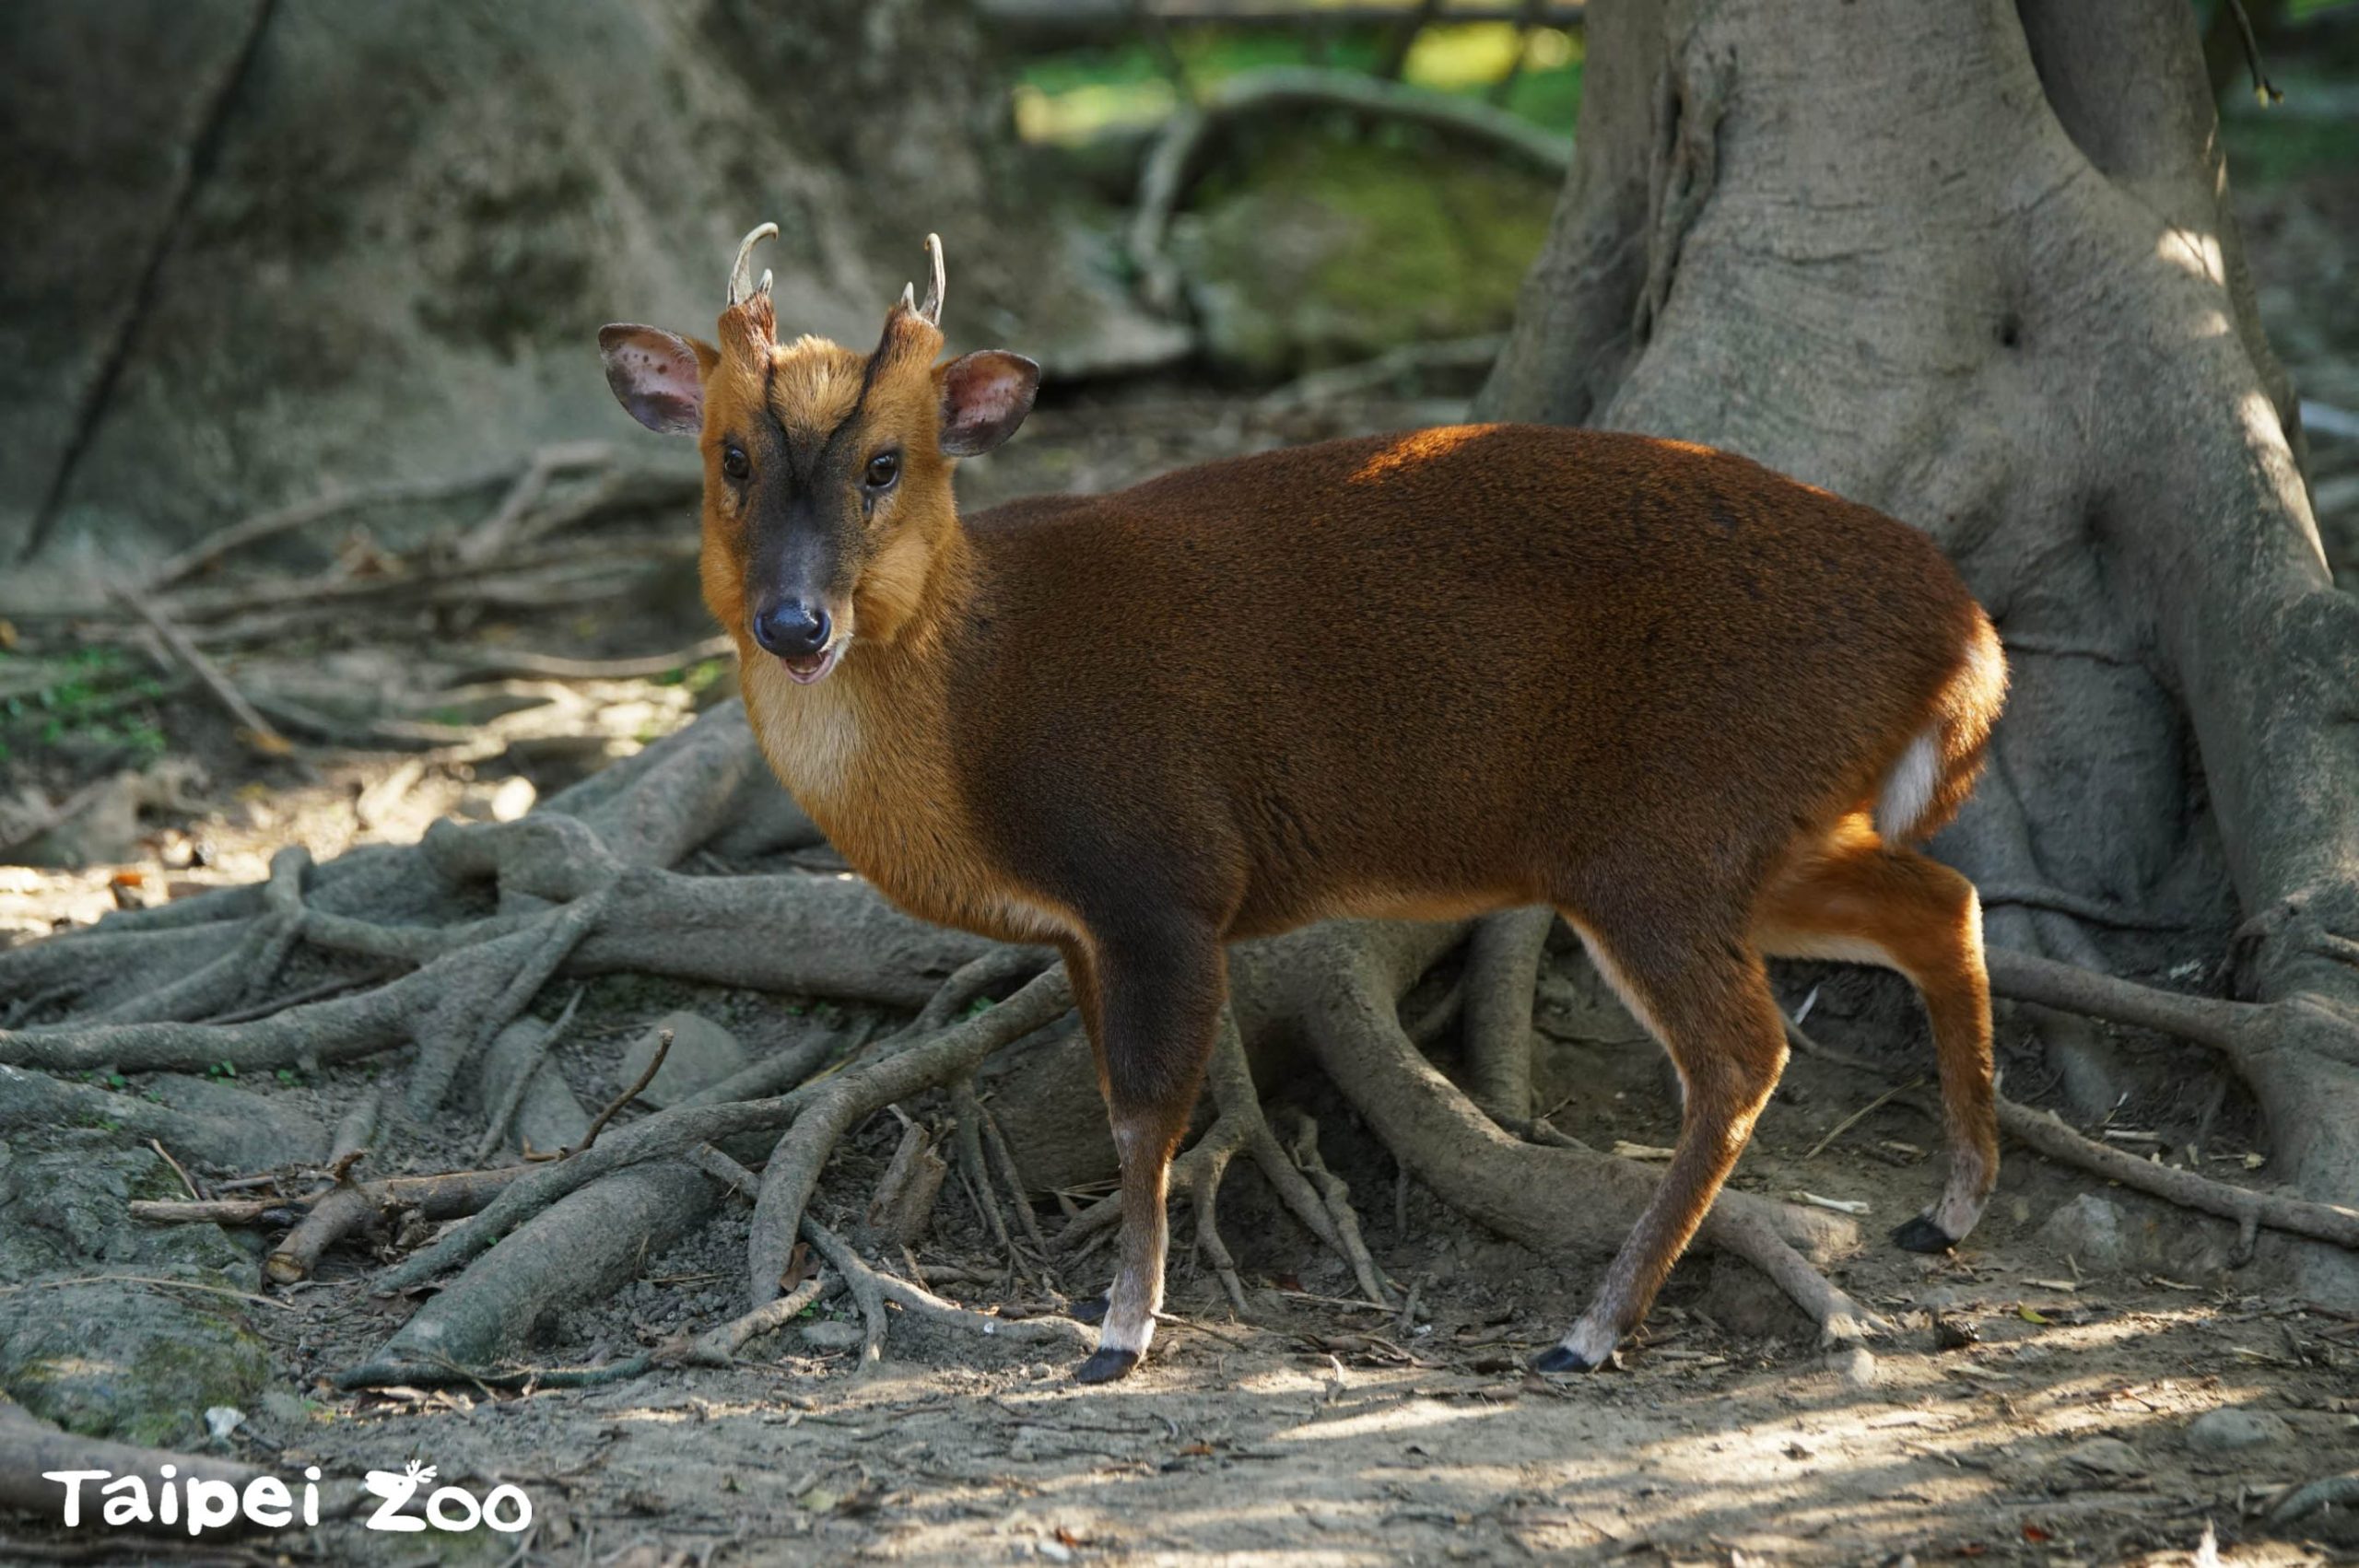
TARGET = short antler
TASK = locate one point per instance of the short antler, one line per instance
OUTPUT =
(930, 312)
(742, 287)
(932, 309)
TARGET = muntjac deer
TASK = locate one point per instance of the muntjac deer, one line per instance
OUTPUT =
(1701, 710)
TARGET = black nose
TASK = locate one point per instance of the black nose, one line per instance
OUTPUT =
(792, 629)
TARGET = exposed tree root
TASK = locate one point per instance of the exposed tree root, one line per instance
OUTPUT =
(2047, 1132)
(1502, 972)
(577, 1251)
(483, 917)
(835, 1105)
(1240, 1126)
(873, 1289)
(1585, 1200)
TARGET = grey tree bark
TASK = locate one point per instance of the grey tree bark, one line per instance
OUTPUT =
(1973, 264)
(264, 248)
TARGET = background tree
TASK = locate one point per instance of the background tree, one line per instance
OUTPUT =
(289, 244)
(1974, 265)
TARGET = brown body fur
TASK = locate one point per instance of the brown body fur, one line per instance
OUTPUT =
(1659, 687)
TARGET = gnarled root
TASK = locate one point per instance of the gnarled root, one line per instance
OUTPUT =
(1319, 1200)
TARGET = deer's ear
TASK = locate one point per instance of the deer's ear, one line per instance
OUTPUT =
(658, 376)
(984, 397)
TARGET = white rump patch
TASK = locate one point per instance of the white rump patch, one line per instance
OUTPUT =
(1909, 788)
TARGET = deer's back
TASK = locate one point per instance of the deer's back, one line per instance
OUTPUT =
(1434, 658)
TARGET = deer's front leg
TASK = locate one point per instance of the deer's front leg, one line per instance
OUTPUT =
(1158, 996)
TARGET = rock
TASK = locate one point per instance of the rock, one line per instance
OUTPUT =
(200, 1121)
(135, 1363)
(360, 126)
(126, 1362)
(2088, 1231)
(288, 1412)
(1951, 1298)
(2227, 1431)
(247, 1132)
(1855, 1365)
(702, 1054)
(548, 1117)
(2107, 1456)
(834, 1334)
(2100, 1236)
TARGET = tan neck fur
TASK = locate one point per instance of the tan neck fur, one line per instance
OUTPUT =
(865, 751)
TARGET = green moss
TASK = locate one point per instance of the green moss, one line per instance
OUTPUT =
(1327, 251)
(135, 1364)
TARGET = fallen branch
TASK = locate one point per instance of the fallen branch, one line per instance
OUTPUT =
(447, 1195)
(254, 730)
(646, 1076)
(319, 509)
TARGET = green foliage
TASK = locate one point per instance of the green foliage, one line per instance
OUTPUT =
(95, 697)
(699, 678)
(2267, 148)
(1074, 94)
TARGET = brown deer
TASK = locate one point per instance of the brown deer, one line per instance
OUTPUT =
(1702, 709)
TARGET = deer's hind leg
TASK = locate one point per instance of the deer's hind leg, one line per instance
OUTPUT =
(1703, 993)
(1853, 897)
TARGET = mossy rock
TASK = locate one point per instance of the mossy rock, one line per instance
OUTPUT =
(1326, 252)
(109, 1358)
(133, 1362)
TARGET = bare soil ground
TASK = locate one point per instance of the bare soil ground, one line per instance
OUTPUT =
(2032, 1400)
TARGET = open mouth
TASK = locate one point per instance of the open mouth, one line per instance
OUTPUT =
(816, 666)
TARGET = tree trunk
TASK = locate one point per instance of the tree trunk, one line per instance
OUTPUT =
(1973, 264)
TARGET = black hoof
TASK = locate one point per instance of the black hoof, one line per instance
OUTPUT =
(1556, 1358)
(1088, 1309)
(1107, 1366)
(1920, 1234)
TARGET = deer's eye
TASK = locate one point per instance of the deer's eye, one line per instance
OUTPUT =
(733, 463)
(883, 469)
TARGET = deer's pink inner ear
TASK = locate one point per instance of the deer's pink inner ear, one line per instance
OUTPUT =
(655, 378)
(984, 397)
